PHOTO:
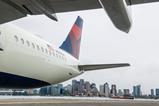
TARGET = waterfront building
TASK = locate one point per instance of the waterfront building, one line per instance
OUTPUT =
(113, 91)
(57, 90)
(137, 91)
(152, 93)
(75, 87)
(94, 90)
(101, 90)
(157, 92)
(87, 88)
(106, 90)
(120, 92)
(68, 90)
(126, 92)
(43, 91)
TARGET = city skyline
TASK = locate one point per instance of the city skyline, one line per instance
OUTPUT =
(87, 88)
(82, 88)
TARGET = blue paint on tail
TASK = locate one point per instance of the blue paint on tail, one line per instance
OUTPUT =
(73, 40)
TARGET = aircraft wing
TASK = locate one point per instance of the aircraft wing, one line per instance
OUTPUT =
(101, 66)
(116, 9)
(15, 9)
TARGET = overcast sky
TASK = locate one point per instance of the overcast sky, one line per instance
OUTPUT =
(103, 43)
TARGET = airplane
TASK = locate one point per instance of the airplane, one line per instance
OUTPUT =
(28, 61)
(117, 10)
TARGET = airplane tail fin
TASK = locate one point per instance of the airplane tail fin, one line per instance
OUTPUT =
(73, 40)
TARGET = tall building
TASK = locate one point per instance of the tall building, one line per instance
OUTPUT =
(53, 90)
(87, 88)
(74, 87)
(57, 90)
(157, 92)
(36, 92)
(94, 90)
(101, 90)
(81, 87)
(106, 90)
(137, 91)
(43, 91)
(68, 90)
(152, 93)
(49, 90)
(126, 92)
(120, 92)
(113, 91)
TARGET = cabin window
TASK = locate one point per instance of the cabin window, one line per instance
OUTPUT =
(22, 40)
(33, 46)
(53, 53)
(28, 43)
(50, 52)
(42, 49)
(37, 47)
(46, 51)
(16, 38)
(63, 58)
(57, 55)
(60, 56)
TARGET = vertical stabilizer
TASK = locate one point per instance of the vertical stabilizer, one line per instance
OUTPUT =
(73, 40)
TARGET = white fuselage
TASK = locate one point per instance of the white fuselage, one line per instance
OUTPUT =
(29, 56)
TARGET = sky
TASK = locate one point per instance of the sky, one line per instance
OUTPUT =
(102, 43)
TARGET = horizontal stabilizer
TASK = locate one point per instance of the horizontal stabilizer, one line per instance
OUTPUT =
(101, 66)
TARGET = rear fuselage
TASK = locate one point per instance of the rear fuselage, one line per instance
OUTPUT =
(27, 61)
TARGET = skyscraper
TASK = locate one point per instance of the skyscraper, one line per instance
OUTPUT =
(49, 90)
(126, 92)
(106, 90)
(120, 92)
(157, 92)
(57, 90)
(137, 91)
(152, 93)
(81, 87)
(113, 91)
(74, 87)
(101, 90)
(94, 90)
(43, 91)
(68, 89)
(87, 88)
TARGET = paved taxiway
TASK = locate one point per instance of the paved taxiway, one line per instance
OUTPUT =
(75, 102)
